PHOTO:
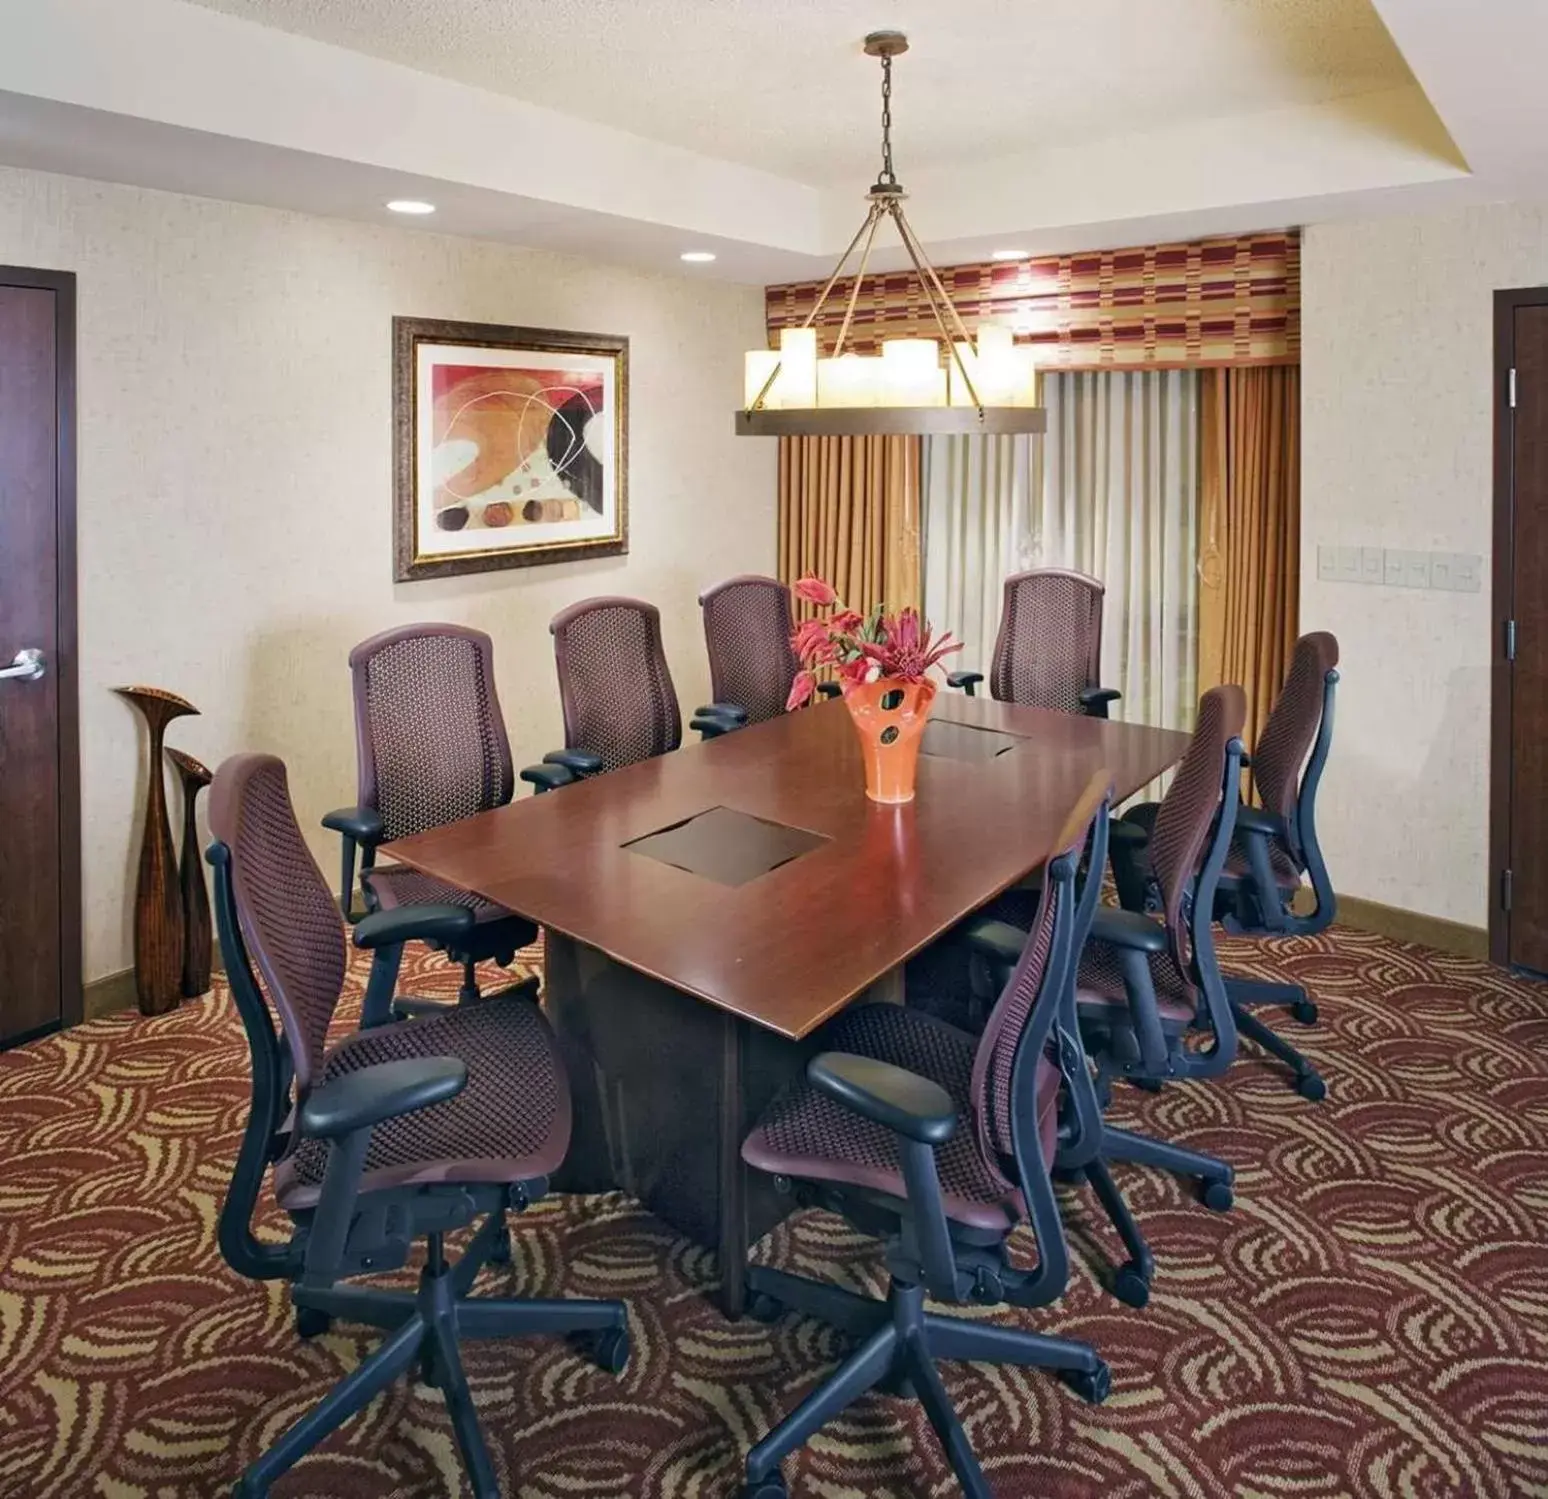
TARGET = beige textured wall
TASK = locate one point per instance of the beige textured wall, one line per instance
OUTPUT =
(1398, 400)
(235, 477)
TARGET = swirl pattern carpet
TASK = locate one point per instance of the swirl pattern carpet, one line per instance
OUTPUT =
(1371, 1319)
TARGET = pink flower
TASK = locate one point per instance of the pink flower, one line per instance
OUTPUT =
(845, 622)
(802, 690)
(815, 591)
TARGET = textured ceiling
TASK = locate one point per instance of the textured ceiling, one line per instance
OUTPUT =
(782, 84)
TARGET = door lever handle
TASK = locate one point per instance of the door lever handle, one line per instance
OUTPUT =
(26, 667)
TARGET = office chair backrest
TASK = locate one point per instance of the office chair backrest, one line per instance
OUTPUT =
(289, 924)
(1187, 812)
(1049, 648)
(1288, 735)
(1019, 1026)
(747, 630)
(429, 737)
(614, 685)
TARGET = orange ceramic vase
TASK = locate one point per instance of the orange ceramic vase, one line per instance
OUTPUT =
(889, 717)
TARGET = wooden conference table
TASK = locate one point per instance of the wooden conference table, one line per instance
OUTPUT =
(684, 971)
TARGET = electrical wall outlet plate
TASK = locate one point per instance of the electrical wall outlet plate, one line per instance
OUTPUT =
(1467, 572)
(1327, 564)
(1392, 568)
(1348, 564)
(1443, 571)
(1416, 569)
(1371, 569)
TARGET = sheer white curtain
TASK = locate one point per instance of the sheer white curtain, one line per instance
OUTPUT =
(1113, 489)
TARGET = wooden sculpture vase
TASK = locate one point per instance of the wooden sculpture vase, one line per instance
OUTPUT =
(158, 903)
(194, 776)
(890, 716)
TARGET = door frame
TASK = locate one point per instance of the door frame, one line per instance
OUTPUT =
(63, 662)
(1501, 610)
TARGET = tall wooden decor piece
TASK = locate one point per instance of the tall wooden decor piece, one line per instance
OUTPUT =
(194, 776)
(158, 903)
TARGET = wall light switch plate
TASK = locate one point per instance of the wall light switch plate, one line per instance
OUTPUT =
(1467, 572)
(1442, 571)
(1416, 569)
(1348, 564)
(1327, 564)
(1370, 565)
(1392, 567)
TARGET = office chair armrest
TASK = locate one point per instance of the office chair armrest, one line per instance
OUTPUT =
(547, 777)
(1256, 822)
(966, 680)
(1128, 929)
(410, 923)
(829, 689)
(998, 941)
(1094, 700)
(1132, 835)
(735, 712)
(902, 1101)
(358, 1100)
(363, 824)
(709, 724)
(582, 762)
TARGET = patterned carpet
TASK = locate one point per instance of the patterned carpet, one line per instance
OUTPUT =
(1370, 1319)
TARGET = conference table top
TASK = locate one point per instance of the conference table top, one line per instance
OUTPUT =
(774, 888)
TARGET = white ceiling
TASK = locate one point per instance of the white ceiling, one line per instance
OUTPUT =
(783, 85)
(630, 130)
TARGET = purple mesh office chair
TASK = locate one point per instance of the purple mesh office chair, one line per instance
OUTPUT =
(616, 691)
(1144, 984)
(404, 1130)
(940, 1143)
(1274, 847)
(430, 749)
(1048, 653)
(747, 632)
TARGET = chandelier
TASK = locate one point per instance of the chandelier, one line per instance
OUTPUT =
(983, 385)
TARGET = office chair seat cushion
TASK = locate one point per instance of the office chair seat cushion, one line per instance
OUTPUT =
(398, 885)
(809, 1136)
(510, 1123)
(1286, 874)
(1100, 992)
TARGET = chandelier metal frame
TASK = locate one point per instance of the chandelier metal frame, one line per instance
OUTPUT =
(885, 200)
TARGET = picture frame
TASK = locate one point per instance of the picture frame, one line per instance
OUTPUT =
(510, 447)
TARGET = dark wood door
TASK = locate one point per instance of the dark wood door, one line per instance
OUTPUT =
(39, 832)
(1521, 578)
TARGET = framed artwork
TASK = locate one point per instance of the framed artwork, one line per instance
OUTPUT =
(511, 447)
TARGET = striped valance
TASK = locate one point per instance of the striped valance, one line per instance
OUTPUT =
(1229, 301)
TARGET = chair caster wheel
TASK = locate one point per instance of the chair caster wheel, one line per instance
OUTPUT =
(500, 1250)
(1218, 1196)
(762, 1307)
(608, 1349)
(1131, 1285)
(1092, 1385)
(1305, 1010)
(311, 1323)
(1311, 1087)
(772, 1487)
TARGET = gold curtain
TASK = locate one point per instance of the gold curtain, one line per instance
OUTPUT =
(1250, 532)
(849, 512)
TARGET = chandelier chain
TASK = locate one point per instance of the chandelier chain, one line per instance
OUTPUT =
(888, 178)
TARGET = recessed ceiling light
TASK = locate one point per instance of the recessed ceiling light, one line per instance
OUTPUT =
(1008, 255)
(410, 205)
(697, 257)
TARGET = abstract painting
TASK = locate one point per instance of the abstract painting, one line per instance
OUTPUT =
(511, 447)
